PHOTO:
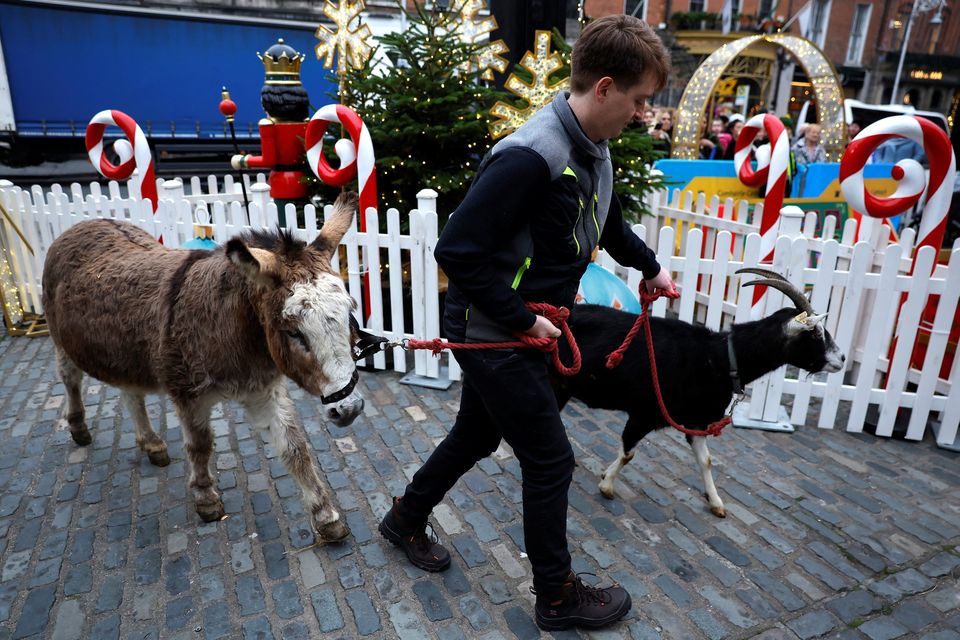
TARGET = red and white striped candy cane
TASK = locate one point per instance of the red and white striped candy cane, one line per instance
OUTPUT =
(137, 156)
(909, 174)
(356, 155)
(773, 174)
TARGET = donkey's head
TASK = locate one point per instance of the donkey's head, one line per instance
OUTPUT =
(305, 309)
(807, 343)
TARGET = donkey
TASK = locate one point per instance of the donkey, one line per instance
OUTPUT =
(204, 326)
(699, 369)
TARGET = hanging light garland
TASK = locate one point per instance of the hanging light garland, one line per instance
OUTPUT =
(12, 310)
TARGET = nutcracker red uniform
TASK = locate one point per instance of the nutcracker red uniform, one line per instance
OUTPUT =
(281, 134)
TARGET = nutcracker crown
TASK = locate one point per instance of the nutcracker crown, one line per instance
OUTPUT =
(282, 64)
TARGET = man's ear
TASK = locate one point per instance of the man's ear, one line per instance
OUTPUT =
(602, 88)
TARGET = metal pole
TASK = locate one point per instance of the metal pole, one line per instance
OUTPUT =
(903, 52)
(228, 109)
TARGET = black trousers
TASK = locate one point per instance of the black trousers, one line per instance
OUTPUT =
(507, 394)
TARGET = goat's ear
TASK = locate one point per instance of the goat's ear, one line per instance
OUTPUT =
(337, 224)
(804, 322)
(259, 265)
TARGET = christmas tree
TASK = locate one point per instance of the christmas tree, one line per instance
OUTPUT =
(427, 111)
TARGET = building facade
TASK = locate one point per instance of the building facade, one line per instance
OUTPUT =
(862, 38)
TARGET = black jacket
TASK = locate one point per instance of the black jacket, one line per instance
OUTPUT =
(540, 203)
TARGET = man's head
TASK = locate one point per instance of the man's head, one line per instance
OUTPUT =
(716, 126)
(617, 63)
(649, 117)
(619, 46)
(853, 129)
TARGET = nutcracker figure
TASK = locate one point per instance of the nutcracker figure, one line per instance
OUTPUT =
(281, 133)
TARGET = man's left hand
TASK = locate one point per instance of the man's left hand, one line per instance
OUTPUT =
(664, 284)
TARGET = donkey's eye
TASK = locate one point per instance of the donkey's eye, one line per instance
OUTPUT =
(296, 336)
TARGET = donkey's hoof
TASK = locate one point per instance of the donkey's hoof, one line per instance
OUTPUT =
(333, 531)
(81, 436)
(159, 458)
(720, 512)
(606, 492)
(210, 512)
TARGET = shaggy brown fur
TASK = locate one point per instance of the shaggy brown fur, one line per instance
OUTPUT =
(204, 326)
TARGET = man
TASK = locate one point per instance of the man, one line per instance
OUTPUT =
(712, 146)
(541, 201)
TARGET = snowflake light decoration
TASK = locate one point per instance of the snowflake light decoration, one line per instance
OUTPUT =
(537, 93)
(465, 23)
(350, 47)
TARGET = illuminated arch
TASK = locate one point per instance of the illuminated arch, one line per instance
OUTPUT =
(823, 77)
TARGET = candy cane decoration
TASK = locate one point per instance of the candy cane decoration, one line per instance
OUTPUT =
(772, 172)
(909, 174)
(144, 183)
(356, 158)
(356, 154)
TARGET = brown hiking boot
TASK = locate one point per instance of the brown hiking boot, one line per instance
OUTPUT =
(577, 604)
(422, 550)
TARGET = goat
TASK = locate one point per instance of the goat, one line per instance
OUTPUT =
(698, 377)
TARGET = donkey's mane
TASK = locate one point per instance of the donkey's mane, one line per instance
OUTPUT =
(278, 240)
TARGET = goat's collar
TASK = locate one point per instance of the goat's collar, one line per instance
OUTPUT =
(734, 374)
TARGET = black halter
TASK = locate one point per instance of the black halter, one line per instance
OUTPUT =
(367, 344)
(343, 393)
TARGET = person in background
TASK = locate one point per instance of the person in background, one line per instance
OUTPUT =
(733, 128)
(852, 130)
(711, 147)
(661, 133)
(808, 149)
(519, 236)
(649, 118)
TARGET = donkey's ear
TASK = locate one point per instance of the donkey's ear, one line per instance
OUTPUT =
(259, 265)
(337, 223)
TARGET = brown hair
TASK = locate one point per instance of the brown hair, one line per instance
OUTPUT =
(622, 47)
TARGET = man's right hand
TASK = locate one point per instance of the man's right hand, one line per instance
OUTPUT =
(543, 328)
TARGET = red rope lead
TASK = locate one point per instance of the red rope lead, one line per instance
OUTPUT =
(616, 357)
(557, 315)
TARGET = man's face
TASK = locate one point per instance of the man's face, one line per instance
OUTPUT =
(622, 107)
(649, 117)
(666, 120)
(716, 127)
(853, 129)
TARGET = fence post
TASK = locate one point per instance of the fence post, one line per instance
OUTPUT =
(260, 195)
(764, 411)
(433, 376)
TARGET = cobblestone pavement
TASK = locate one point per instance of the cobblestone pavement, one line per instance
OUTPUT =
(828, 534)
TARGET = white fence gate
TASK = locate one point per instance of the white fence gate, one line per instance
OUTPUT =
(874, 308)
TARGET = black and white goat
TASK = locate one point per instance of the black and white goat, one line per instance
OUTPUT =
(699, 369)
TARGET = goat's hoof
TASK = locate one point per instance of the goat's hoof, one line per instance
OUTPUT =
(81, 436)
(211, 512)
(720, 512)
(333, 531)
(159, 458)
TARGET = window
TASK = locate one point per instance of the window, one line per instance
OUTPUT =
(766, 8)
(636, 8)
(698, 5)
(818, 22)
(858, 33)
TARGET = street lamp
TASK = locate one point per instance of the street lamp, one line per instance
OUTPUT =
(918, 6)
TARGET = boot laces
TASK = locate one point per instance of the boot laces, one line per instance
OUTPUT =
(423, 540)
(587, 594)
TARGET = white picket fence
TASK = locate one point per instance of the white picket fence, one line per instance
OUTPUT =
(859, 285)
(405, 259)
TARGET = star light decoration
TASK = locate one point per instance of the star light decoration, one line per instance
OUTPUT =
(537, 93)
(464, 22)
(350, 47)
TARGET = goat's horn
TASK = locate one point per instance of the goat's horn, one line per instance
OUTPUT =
(799, 300)
(766, 273)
